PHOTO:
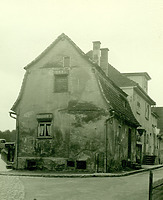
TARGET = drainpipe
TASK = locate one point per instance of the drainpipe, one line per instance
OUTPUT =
(106, 138)
(15, 116)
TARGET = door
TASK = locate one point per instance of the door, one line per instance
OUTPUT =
(129, 143)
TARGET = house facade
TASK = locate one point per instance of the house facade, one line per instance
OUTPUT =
(136, 86)
(70, 115)
(159, 144)
(141, 105)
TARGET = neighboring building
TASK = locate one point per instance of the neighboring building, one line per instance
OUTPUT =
(136, 86)
(70, 115)
(159, 144)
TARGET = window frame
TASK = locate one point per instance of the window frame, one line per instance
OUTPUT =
(56, 90)
(138, 107)
(45, 123)
(66, 61)
(147, 111)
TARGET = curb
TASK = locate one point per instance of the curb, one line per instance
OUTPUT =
(100, 175)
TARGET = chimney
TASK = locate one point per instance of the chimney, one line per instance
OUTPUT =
(96, 52)
(104, 60)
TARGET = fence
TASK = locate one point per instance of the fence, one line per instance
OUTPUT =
(155, 188)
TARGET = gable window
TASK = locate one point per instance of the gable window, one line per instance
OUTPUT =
(61, 83)
(66, 61)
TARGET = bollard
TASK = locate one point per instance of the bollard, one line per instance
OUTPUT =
(150, 184)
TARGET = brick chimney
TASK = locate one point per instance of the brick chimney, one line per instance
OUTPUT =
(96, 52)
(104, 60)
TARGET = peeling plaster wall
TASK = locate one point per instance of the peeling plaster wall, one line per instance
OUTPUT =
(77, 135)
(117, 134)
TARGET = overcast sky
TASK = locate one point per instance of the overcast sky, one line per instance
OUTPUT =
(131, 29)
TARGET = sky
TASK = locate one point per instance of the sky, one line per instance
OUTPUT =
(131, 29)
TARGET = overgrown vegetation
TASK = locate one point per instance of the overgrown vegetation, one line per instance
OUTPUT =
(9, 136)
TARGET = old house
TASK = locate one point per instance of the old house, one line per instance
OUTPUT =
(136, 86)
(159, 142)
(70, 115)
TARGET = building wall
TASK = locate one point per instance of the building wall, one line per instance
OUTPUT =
(147, 121)
(117, 132)
(76, 135)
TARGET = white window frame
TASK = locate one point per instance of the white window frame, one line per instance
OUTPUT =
(45, 132)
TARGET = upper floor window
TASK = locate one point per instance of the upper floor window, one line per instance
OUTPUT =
(61, 83)
(138, 107)
(147, 111)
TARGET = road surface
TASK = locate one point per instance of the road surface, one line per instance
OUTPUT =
(133, 187)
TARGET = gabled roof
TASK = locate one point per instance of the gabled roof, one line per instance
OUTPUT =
(114, 95)
(118, 102)
(121, 80)
(62, 36)
(159, 112)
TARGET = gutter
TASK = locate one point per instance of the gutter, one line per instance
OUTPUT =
(15, 116)
(106, 138)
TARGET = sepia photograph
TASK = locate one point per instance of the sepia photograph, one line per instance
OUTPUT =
(81, 100)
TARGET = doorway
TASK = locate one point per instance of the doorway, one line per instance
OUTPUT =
(129, 144)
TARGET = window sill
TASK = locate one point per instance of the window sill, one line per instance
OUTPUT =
(60, 92)
(44, 137)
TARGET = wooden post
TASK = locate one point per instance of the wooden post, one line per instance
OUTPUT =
(150, 184)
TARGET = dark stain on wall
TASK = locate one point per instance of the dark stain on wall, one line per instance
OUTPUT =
(85, 112)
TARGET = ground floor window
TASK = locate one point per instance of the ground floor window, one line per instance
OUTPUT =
(81, 164)
(44, 129)
(70, 163)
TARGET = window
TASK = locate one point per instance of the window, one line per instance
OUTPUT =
(147, 111)
(147, 138)
(66, 61)
(81, 164)
(125, 104)
(70, 163)
(44, 129)
(138, 107)
(61, 83)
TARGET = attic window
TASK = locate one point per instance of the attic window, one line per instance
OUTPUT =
(66, 61)
(61, 83)
(124, 104)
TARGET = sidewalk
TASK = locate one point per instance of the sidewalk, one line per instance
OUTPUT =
(11, 172)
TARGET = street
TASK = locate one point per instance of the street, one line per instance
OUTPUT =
(40, 188)
(113, 188)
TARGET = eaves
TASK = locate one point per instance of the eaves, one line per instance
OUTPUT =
(142, 93)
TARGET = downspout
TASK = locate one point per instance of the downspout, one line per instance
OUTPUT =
(17, 135)
(106, 138)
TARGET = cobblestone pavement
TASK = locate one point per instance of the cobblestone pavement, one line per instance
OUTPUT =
(11, 188)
